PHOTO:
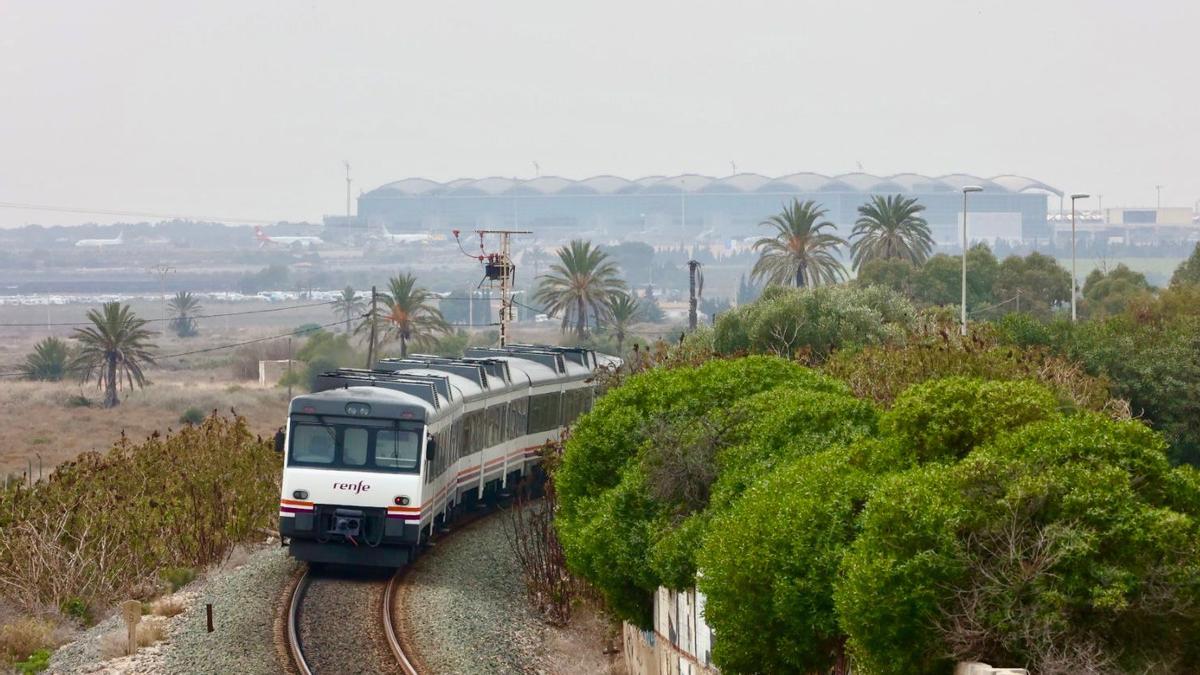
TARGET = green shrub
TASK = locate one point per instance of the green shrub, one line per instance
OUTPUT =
(769, 562)
(182, 500)
(812, 322)
(77, 608)
(944, 419)
(36, 663)
(177, 577)
(1070, 543)
(880, 373)
(606, 516)
(79, 401)
(49, 361)
(192, 415)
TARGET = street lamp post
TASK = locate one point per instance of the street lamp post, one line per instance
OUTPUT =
(966, 190)
(1074, 276)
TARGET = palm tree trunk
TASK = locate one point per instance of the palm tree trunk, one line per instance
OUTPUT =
(110, 383)
(403, 346)
(581, 320)
(800, 275)
(621, 343)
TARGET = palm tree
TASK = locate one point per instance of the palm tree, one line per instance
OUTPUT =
(48, 361)
(890, 227)
(800, 252)
(623, 311)
(348, 305)
(186, 307)
(409, 314)
(582, 281)
(114, 349)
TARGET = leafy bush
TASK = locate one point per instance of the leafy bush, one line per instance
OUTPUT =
(813, 322)
(944, 419)
(192, 415)
(880, 373)
(1155, 365)
(79, 401)
(177, 577)
(36, 663)
(76, 608)
(606, 514)
(769, 564)
(49, 361)
(323, 352)
(181, 500)
(1070, 545)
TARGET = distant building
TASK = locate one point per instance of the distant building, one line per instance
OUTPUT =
(1011, 208)
(1137, 226)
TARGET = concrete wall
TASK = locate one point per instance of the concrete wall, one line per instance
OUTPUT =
(270, 372)
(681, 642)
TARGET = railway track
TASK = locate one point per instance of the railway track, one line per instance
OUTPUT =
(328, 631)
(360, 645)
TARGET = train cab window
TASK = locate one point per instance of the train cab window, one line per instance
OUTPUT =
(312, 444)
(354, 446)
(397, 449)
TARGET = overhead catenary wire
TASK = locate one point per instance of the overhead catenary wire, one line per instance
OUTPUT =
(161, 320)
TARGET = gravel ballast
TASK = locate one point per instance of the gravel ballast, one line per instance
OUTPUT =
(245, 601)
(464, 608)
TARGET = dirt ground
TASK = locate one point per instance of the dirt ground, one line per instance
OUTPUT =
(37, 424)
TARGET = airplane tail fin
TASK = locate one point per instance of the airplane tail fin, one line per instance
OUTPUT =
(261, 236)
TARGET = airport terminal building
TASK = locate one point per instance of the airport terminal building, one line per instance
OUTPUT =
(1011, 208)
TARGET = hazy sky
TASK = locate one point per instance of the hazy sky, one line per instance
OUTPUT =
(247, 109)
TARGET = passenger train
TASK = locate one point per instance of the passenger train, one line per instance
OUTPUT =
(375, 461)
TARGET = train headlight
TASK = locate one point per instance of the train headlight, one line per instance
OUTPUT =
(300, 494)
(401, 500)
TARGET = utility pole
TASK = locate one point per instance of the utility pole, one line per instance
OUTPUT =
(694, 291)
(371, 342)
(162, 271)
(289, 368)
(347, 192)
(499, 271)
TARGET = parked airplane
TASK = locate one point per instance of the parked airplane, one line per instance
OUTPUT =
(405, 238)
(264, 240)
(99, 243)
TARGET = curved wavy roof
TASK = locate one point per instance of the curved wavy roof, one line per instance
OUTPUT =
(742, 183)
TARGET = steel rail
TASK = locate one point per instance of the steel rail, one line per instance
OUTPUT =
(389, 628)
(293, 631)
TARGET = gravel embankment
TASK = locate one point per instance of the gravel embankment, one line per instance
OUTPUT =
(464, 609)
(245, 601)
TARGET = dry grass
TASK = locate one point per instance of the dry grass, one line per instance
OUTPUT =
(114, 643)
(35, 418)
(580, 648)
(24, 636)
(167, 607)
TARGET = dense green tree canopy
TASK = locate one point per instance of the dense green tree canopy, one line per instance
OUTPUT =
(1188, 271)
(1110, 292)
(1040, 281)
(1069, 544)
(940, 279)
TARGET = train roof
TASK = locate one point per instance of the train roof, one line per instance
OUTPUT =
(488, 374)
(443, 391)
(466, 389)
(385, 403)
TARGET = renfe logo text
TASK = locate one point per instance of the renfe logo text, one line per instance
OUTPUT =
(352, 487)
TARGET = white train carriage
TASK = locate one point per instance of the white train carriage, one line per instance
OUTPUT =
(377, 460)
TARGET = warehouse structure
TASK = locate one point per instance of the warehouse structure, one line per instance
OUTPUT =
(1011, 208)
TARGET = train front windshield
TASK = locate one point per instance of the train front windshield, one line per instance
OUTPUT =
(356, 444)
